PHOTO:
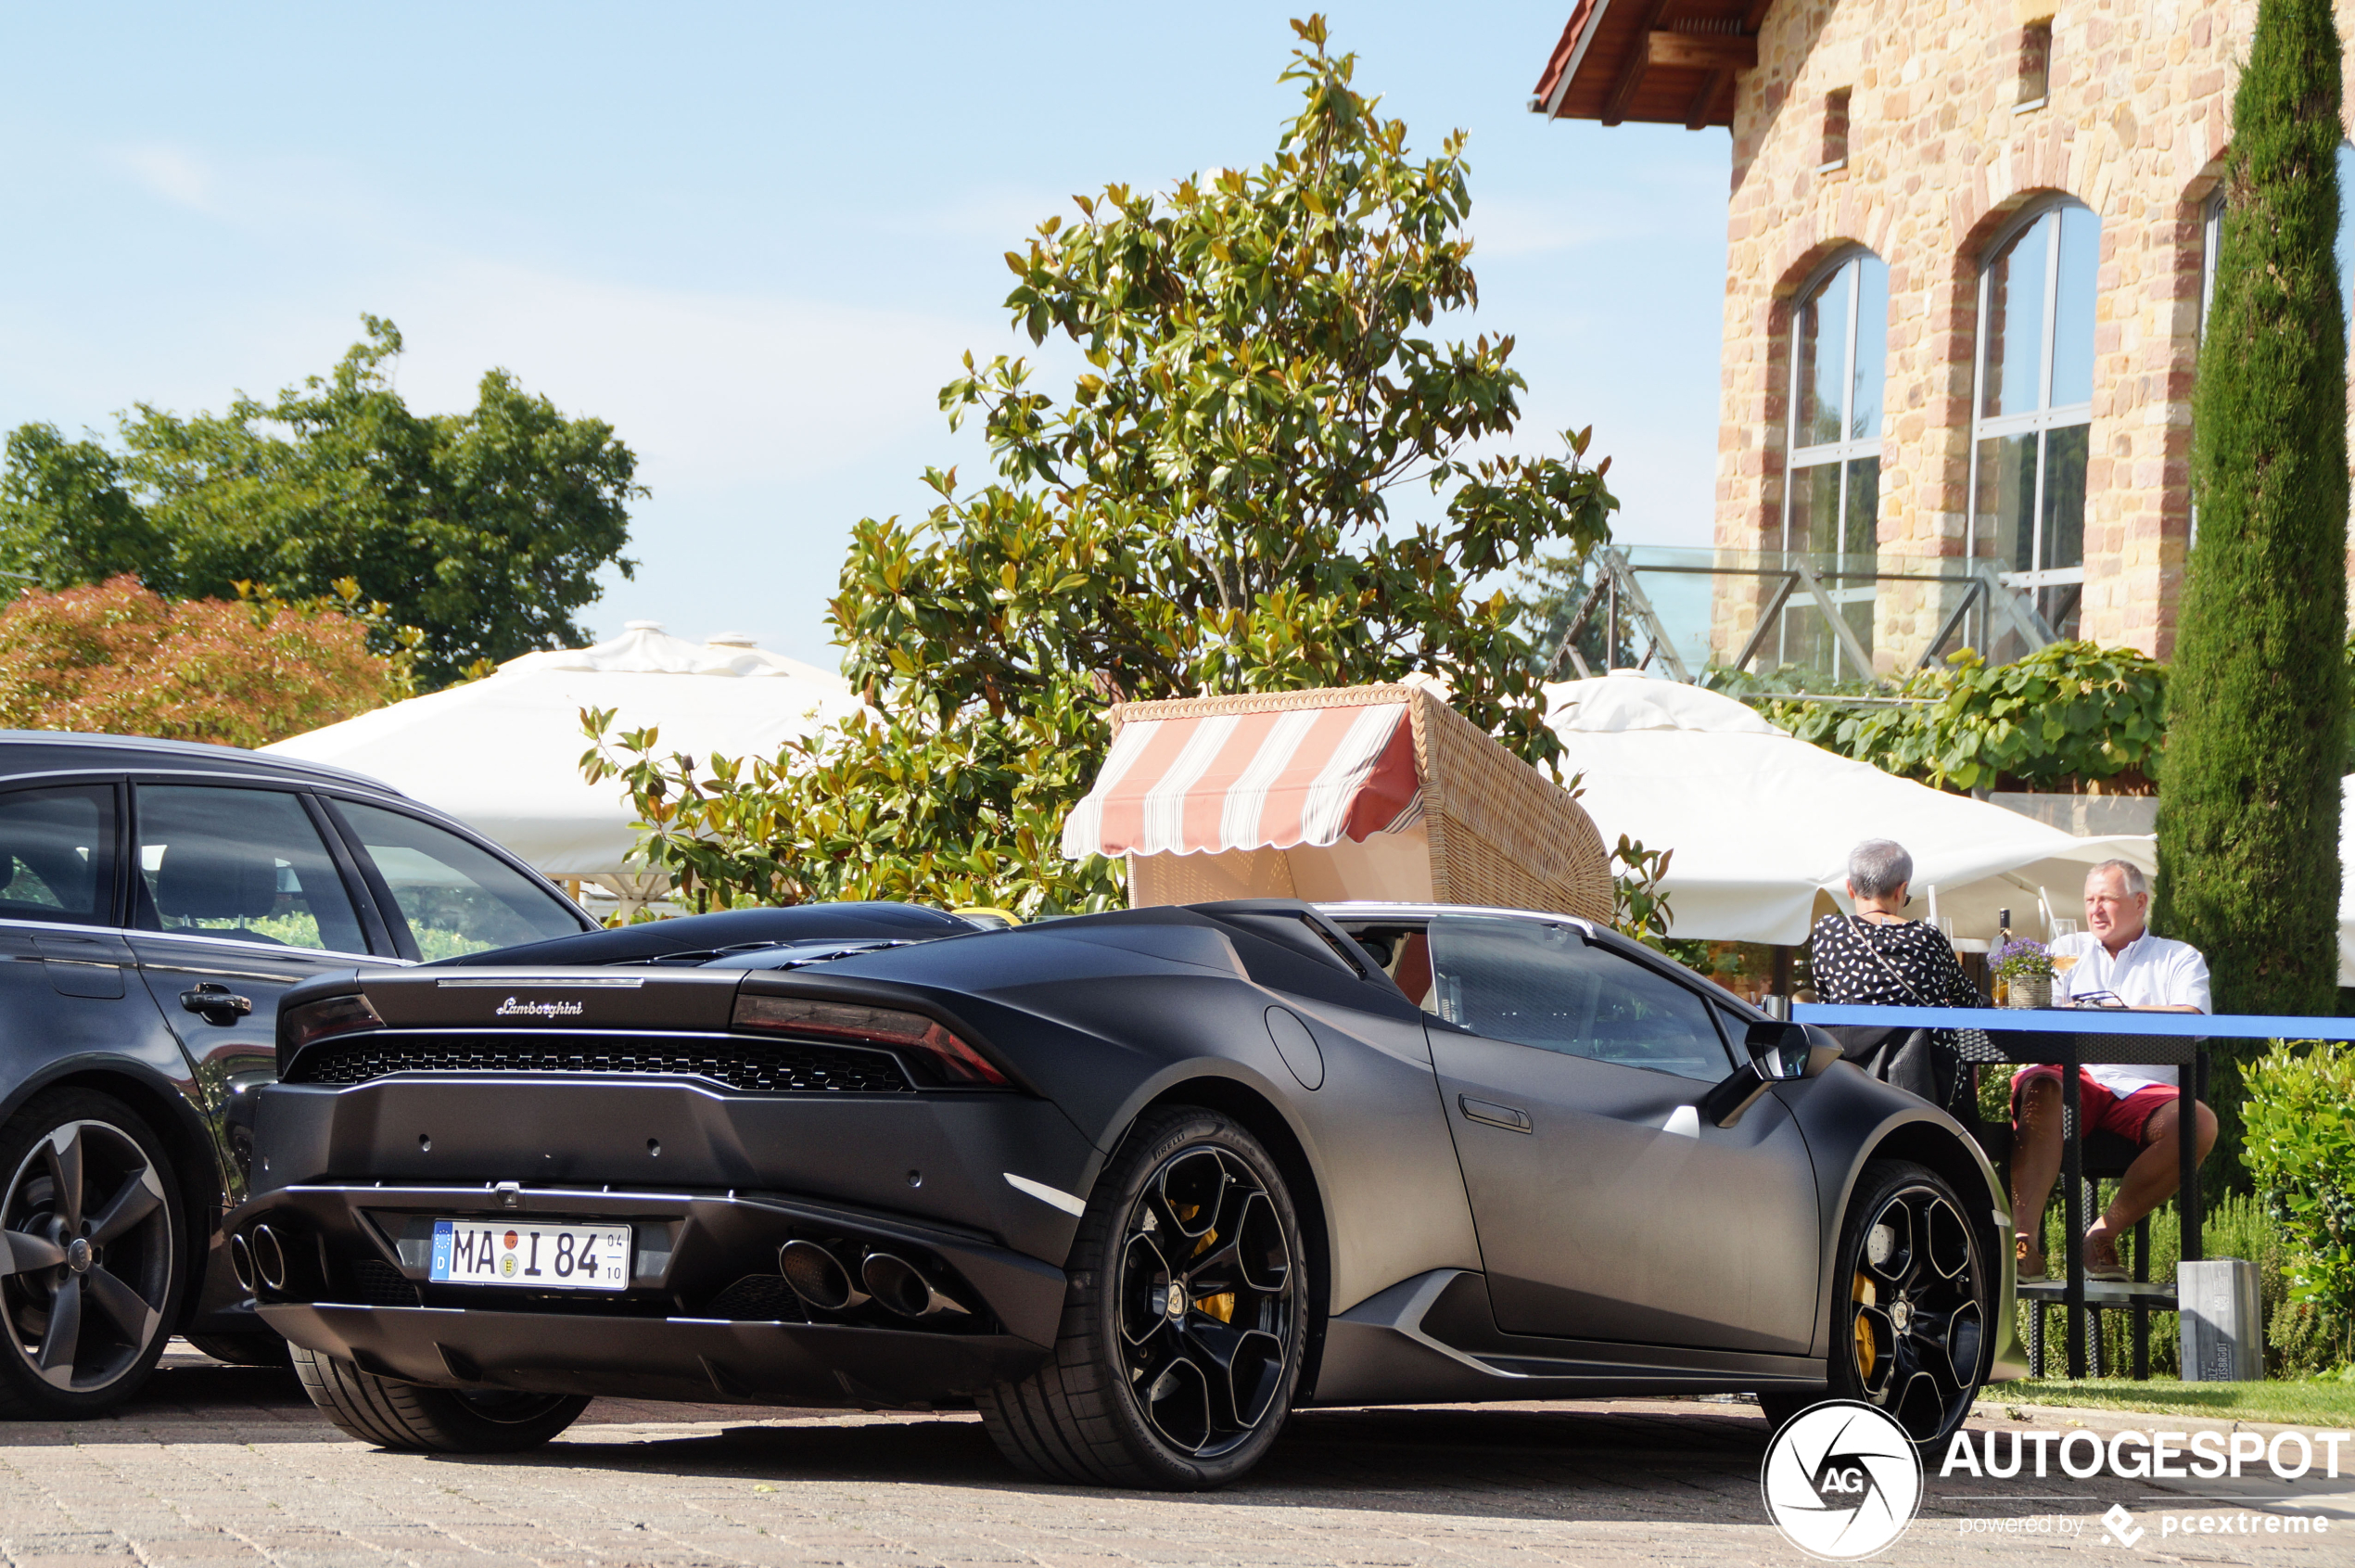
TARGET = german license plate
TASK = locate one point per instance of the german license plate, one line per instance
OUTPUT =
(537, 1255)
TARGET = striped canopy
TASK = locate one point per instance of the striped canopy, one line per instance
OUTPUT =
(1249, 781)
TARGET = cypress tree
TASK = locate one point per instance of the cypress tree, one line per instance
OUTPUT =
(2249, 792)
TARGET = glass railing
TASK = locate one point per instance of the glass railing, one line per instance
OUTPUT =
(1816, 619)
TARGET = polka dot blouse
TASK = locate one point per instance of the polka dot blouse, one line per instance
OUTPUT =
(1851, 960)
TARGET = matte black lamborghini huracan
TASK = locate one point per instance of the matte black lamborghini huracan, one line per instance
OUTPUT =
(1136, 1184)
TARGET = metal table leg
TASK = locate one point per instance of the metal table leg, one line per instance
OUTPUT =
(2073, 1209)
(2187, 1152)
(2141, 1313)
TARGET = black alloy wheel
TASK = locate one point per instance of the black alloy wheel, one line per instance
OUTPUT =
(91, 1263)
(1909, 1310)
(1183, 1327)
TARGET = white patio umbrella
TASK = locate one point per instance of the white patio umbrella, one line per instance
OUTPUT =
(1762, 822)
(503, 754)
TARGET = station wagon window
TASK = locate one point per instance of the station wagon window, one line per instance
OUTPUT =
(56, 851)
(455, 897)
(1543, 986)
(244, 864)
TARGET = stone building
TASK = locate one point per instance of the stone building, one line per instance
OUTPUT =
(1969, 246)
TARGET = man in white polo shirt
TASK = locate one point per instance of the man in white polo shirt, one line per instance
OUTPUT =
(2115, 959)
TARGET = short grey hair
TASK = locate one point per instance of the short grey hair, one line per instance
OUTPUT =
(1878, 867)
(2137, 885)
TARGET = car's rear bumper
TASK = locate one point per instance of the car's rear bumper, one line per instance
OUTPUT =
(656, 1359)
(707, 1314)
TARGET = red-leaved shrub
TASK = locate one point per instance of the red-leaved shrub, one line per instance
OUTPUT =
(115, 659)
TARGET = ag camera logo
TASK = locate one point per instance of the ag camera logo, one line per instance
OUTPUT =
(1842, 1480)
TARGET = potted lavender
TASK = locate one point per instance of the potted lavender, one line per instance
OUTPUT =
(2025, 968)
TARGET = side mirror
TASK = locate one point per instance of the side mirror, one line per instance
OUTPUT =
(1779, 1053)
(1782, 1052)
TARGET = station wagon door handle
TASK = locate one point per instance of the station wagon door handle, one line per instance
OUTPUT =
(1494, 1116)
(216, 1005)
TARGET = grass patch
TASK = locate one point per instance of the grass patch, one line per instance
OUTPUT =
(2323, 1402)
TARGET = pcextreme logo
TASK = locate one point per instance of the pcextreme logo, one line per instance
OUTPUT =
(1842, 1480)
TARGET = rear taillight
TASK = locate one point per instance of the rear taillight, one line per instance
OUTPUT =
(933, 1043)
(331, 1015)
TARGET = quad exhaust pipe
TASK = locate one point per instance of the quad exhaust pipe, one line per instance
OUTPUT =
(241, 1262)
(823, 1282)
(269, 1258)
(818, 1276)
(902, 1288)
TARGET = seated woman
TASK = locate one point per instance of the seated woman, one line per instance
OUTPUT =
(1878, 958)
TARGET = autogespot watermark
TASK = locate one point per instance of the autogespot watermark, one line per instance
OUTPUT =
(1842, 1481)
(2142, 1456)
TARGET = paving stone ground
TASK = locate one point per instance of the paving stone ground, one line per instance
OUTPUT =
(224, 1466)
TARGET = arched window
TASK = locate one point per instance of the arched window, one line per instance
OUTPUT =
(1831, 501)
(2032, 413)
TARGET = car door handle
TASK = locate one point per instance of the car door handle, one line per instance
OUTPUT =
(216, 1005)
(1493, 1116)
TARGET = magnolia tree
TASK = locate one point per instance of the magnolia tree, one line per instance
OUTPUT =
(1209, 507)
(116, 658)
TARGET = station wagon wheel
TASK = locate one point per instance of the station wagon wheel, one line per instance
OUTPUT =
(1184, 1322)
(90, 1265)
(1909, 1315)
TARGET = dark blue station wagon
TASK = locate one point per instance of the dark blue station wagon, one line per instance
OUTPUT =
(155, 898)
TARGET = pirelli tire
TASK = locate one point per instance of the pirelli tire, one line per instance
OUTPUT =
(1910, 1307)
(417, 1419)
(1183, 1324)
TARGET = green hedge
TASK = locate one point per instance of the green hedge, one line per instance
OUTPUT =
(2300, 1116)
(2066, 715)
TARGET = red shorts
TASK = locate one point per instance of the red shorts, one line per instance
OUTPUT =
(2101, 1110)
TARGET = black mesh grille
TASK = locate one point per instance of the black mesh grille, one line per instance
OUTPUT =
(756, 1066)
(379, 1283)
(761, 1297)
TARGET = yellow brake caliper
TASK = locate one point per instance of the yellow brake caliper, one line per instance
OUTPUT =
(1222, 1306)
(1867, 1349)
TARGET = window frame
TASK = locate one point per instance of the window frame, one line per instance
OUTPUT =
(138, 902)
(1836, 454)
(399, 941)
(1710, 1005)
(115, 915)
(2044, 418)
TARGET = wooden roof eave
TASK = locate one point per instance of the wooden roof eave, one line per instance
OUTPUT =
(1633, 60)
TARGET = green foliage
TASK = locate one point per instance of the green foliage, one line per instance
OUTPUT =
(2300, 1116)
(1638, 902)
(2069, 712)
(486, 530)
(1209, 509)
(2234, 1226)
(2248, 811)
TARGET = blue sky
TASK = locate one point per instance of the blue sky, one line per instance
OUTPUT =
(757, 237)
